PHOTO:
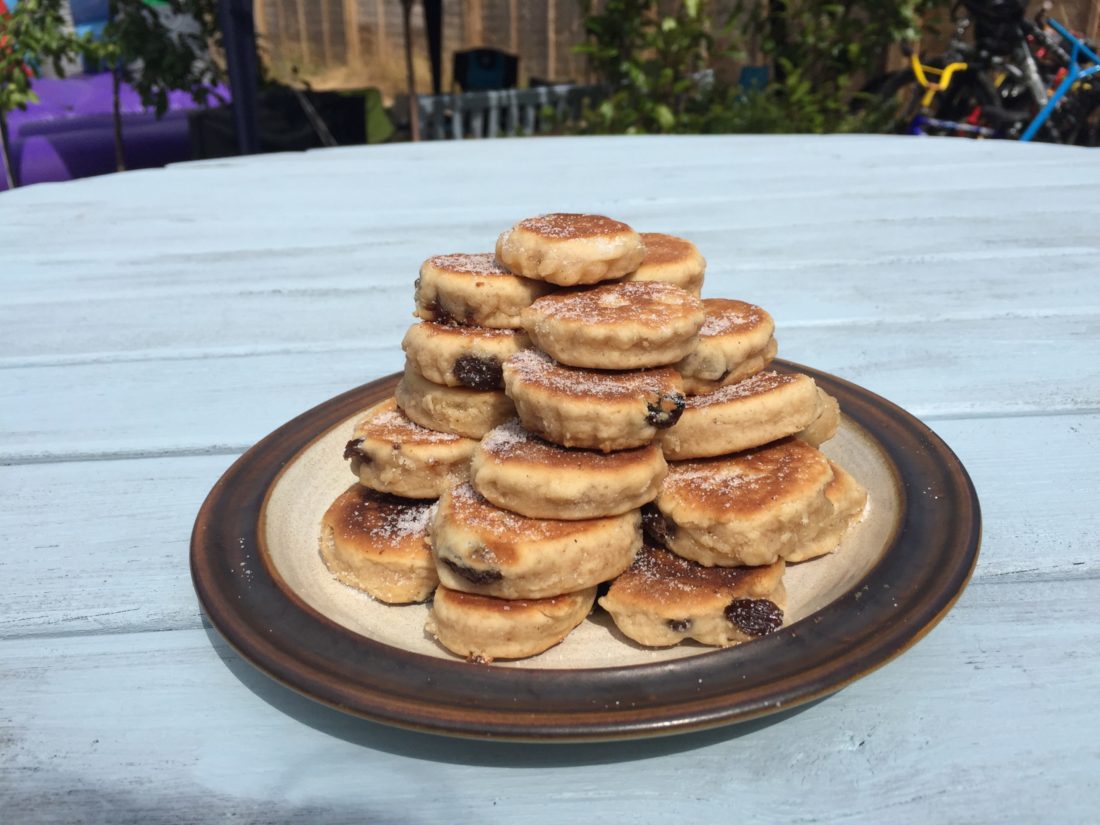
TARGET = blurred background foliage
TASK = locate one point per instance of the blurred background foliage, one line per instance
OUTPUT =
(802, 64)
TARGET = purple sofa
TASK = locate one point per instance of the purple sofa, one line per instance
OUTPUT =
(70, 133)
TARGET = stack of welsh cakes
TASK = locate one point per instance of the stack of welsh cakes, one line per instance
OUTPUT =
(573, 417)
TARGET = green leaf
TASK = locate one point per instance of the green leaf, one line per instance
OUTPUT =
(665, 118)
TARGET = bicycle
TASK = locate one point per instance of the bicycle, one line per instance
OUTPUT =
(1015, 81)
(1069, 76)
(960, 92)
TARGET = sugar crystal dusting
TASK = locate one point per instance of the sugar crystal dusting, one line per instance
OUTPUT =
(479, 263)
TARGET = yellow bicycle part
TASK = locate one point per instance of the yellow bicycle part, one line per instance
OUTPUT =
(942, 77)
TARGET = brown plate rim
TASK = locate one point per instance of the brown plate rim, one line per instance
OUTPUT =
(921, 574)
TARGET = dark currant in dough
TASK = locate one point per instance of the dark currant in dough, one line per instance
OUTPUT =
(657, 527)
(474, 576)
(479, 372)
(665, 410)
(754, 617)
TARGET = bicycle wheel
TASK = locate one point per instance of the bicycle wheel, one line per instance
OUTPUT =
(963, 109)
(1084, 102)
(899, 95)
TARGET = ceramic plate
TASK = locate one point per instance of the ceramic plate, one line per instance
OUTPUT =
(260, 579)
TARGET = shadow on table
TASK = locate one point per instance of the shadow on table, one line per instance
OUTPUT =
(468, 751)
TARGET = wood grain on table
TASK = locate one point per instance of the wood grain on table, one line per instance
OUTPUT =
(155, 324)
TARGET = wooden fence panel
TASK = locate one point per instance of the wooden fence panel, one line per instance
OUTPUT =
(335, 44)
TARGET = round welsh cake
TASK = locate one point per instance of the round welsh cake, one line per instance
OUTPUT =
(662, 599)
(483, 628)
(784, 500)
(670, 259)
(568, 249)
(734, 343)
(462, 356)
(521, 472)
(393, 454)
(473, 289)
(825, 423)
(592, 409)
(617, 326)
(755, 411)
(480, 548)
(457, 410)
(378, 543)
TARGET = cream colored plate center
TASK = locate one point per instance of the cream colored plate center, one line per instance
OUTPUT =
(319, 475)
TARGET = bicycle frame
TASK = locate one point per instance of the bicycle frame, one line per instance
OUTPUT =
(1074, 73)
(940, 81)
(943, 77)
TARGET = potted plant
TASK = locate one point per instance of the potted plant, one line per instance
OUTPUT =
(31, 34)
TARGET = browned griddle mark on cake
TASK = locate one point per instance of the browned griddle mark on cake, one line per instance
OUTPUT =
(567, 225)
(664, 249)
(678, 625)
(754, 617)
(665, 410)
(657, 527)
(474, 576)
(479, 372)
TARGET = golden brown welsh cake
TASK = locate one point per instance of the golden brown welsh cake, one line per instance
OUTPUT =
(784, 500)
(670, 259)
(755, 411)
(734, 343)
(618, 326)
(483, 628)
(521, 472)
(849, 500)
(393, 454)
(457, 410)
(663, 599)
(481, 548)
(825, 424)
(569, 249)
(462, 356)
(473, 289)
(591, 409)
(378, 543)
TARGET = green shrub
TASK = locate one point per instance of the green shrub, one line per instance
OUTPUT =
(659, 65)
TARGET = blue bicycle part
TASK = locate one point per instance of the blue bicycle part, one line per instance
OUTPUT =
(1073, 74)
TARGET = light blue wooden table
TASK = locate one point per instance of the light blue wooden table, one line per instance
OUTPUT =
(155, 324)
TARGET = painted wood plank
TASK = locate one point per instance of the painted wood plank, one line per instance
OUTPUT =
(104, 544)
(248, 313)
(196, 403)
(988, 717)
(377, 194)
(871, 252)
(214, 266)
(326, 252)
(348, 245)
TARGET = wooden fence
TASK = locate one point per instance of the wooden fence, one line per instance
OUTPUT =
(357, 43)
(334, 44)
